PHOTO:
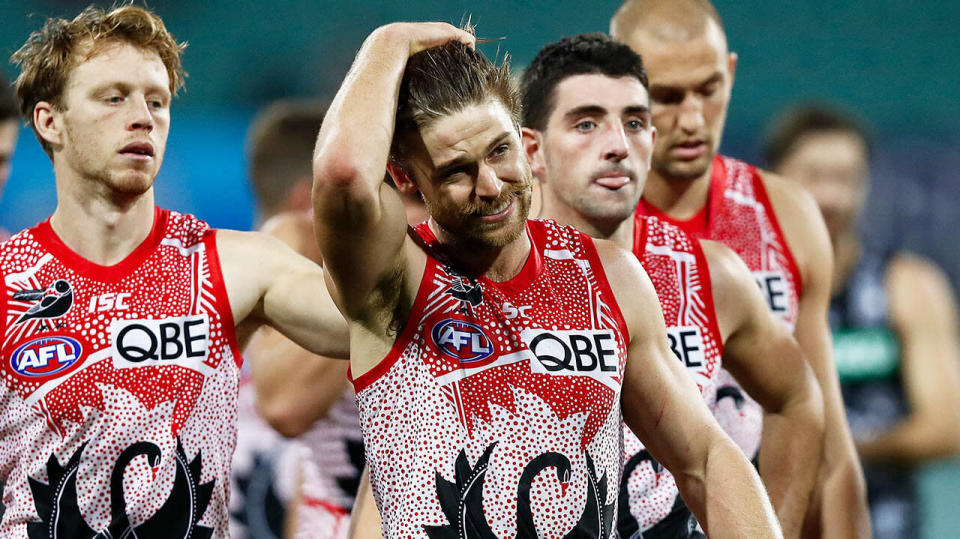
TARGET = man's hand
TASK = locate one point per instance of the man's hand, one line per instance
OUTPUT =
(425, 35)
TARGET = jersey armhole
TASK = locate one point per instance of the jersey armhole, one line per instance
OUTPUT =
(704, 271)
(761, 190)
(590, 250)
(229, 327)
(404, 336)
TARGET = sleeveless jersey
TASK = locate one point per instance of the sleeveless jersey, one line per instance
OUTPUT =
(497, 411)
(119, 387)
(739, 214)
(867, 354)
(330, 476)
(649, 499)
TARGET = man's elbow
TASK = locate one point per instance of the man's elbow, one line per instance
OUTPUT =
(285, 417)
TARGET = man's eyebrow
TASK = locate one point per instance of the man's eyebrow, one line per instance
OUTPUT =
(584, 110)
(460, 160)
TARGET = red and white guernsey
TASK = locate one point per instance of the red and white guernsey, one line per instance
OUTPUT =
(119, 387)
(497, 411)
(330, 476)
(739, 214)
(649, 499)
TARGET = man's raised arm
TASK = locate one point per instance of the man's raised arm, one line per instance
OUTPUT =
(767, 362)
(665, 410)
(360, 221)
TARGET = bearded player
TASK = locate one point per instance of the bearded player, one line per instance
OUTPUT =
(772, 224)
(490, 353)
(122, 322)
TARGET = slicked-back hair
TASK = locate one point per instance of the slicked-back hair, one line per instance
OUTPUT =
(789, 127)
(8, 105)
(52, 52)
(279, 147)
(582, 54)
(444, 80)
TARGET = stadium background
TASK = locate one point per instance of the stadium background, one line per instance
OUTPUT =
(895, 63)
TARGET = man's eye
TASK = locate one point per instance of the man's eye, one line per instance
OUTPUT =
(635, 125)
(114, 99)
(586, 125)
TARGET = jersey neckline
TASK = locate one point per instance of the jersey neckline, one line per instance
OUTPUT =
(699, 223)
(47, 237)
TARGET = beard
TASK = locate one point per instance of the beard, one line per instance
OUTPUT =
(466, 229)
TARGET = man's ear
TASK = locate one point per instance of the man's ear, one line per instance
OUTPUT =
(400, 178)
(47, 121)
(532, 144)
(732, 67)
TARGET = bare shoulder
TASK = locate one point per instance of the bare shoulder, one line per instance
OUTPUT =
(295, 228)
(729, 275)
(721, 260)
(918, 288)
(620, 265)
(802, 225)
(631, 287)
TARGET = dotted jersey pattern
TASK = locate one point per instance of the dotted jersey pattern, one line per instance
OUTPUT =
(739, 214)
(333, 464)
(101, 405)
(422, 407)
(679, 273)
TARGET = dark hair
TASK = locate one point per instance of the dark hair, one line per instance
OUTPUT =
(790, 126)
(279, 146)
(443, 80)
(51, 53)
(575, 55)
(8, 105)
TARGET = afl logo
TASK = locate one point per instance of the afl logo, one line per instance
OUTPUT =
(45, 356)
(464, 341)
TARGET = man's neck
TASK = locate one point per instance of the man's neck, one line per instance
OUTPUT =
(680, 199)
(618, 231)
(495, 263)
(101, 228)
(846, 254)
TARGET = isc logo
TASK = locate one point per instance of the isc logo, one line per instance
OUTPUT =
(45, 356)
(180, 341)
(464, 341)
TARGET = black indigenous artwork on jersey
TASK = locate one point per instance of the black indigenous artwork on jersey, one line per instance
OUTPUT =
(51, 302)
(678, 524)
(468, 291)
(178, 517)
(462, 500)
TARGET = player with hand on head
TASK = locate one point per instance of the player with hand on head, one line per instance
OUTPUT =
(123, 322)
(492, 355)
(773, 224)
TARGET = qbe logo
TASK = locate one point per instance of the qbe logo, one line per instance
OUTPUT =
(170, 341)
(46, 356)
(585, 352)
(462, 340)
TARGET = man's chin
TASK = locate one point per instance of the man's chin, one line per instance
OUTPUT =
(685, 170)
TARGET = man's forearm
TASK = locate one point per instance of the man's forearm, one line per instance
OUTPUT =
(789, 461)
(731, 494)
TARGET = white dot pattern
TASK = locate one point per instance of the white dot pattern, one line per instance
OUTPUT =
(93, 404)
(421, 407)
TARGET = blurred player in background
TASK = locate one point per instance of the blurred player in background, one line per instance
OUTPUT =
(893, 317)
(587, 133)
(771, 223)
(9, 131)
(123, 322)
(301, 395)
